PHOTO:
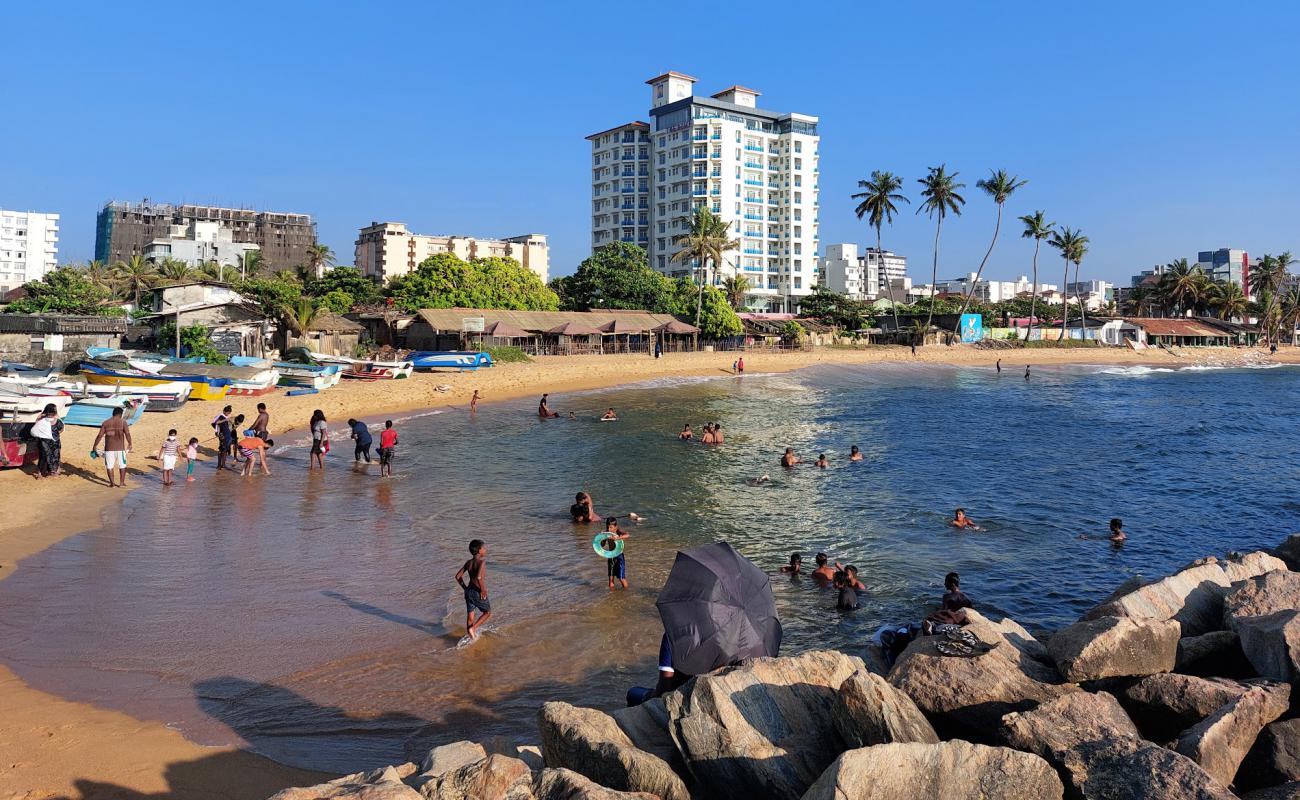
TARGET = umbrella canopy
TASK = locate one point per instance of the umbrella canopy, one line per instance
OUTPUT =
(717, 608)
(677, 326)
(504, 330)
(574, 329)
(617, 326)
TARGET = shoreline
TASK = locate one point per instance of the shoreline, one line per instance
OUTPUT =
(115, 750)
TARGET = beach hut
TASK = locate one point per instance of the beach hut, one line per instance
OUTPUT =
(501, 333)
(675, 334)
(328, 333)
(575, 338)
(627, 329)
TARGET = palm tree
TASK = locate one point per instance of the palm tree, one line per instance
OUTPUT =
(135, 276)
(708, 239)
(1072, 244)
(1180, 285)
(300, 317)
(212, 271)
(940, 192)
(736, 288)
(174, 270)
(250, 264)
(1267, 279)
(999, 185)
(1290, 304)
(97, 272)
(1227, 300)
(1037, 228)
(878, 207)
(319, 258)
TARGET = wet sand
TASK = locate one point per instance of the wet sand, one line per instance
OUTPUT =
(58, 748)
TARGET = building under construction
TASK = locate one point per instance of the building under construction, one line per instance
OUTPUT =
(123, 230)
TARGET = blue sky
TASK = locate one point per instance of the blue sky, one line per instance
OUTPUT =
(1158, 128)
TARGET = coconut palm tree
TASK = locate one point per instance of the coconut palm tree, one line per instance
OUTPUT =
(939, 188)
(134, 276)
(175, 271)
(319, 258)
(300, 317)
(1179, 285)
(708, 238)
(1073, 245)
(211, 270)
(1227, 300)
(736, 288)
(877, 205)
(999, 185)
(1037, 228)
(1267, 280)
(250, 264)
(97, 272)
(1290, 305)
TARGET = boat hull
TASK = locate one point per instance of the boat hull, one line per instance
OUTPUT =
(93, 411)
(426, 359)
(200, 388)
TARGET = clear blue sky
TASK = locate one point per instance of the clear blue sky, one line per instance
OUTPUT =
(1158, 128)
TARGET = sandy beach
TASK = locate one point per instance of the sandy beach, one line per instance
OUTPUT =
(57, 748)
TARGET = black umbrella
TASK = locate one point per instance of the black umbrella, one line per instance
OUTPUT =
(717, 608)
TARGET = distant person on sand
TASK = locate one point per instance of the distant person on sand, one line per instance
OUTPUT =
(1117, 534)
(686, 433)
(796, 563)
(236, 425)
(262, 425)
(191, 458)
(962, 522)
(253, 449)
(823, 572)
(116, 436)
(855, 454)
(473, 403)
(167, 454)
(617, 566)
(361, 435)
(387, 448)
(221, 425)
(609, 415)
(789, 459)
(320, 440)
(544, 411)
(473, 581)
(847, 599)
(821, 462)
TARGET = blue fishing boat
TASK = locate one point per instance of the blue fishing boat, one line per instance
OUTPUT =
(92, 411)
(450, 359)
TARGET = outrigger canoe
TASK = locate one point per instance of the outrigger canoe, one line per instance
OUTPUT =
(462, 360)
(359, 368)
(201, 387)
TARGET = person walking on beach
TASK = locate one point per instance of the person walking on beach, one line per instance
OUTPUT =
(116, 436)
(473, 403)
(261, 425)
(387, 449)
(167, 455)
(361, 435)
(46, 431)
(659, 348)
(191, 458)
(225, 431)
(320, 440)
(236, 433)
(617, 566)
(473, 581)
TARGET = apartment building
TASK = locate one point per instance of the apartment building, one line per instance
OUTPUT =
(123, 230)
(620, 180)
(387, 250)
(861, 276)
(1226, 265)
(29, 247)
(756, 169)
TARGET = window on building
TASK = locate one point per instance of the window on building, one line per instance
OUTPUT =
(798, 163)
(798, 180)
(798, 197)
(798, 146)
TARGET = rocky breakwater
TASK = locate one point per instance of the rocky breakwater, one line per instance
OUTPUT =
(1175, 688)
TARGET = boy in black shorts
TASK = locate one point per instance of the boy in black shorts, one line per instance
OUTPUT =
(476, 593)
(617, 565)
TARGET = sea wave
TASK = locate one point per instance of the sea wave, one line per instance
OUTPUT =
(1134, 372)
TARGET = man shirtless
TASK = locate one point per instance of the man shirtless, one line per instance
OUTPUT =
(544, 411)
(475, 588)
(789, 459)
(962, 522)
(824, 572)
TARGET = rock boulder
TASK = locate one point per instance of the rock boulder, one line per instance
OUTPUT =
(1027, 652)
(966, 697)
(1220, 741)
(496, 777)
(1213, 654)
(1164, 705)
(1274, 759)
(1109, 647)
(870, 711)
(955, 769)
(450, 757)
(1289, 551)
(380, 784)
(592, 744)
(1287, 791)
(647, 726)
(1263, 612)
(764, 728)
(564, 784)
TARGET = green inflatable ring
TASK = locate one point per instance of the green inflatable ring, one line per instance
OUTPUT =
(598, 542)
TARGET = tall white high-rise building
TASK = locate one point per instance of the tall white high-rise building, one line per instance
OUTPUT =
(29, 247)
(620, 185)
(756, 169)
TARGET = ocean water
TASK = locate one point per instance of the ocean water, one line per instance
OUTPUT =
(314, 616)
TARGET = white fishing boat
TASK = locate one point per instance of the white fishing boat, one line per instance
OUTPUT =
(18, 407)
(367, 369)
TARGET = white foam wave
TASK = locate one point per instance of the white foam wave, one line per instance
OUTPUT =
(1134, 372)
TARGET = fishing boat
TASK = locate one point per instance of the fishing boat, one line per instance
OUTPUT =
(201, 387)
(295, 374)
(170, 396)
(92, 411)
(243, 380)
(450, 359)
(24, 373)
(26, 407)
(16, 443)
(362, 369)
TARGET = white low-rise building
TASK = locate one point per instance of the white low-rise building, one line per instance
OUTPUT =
(198, 243)
(861, 276)
(387, 250)
(29, 247)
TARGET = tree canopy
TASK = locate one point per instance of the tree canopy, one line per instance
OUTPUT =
(344, 279)
(445, 281)
(616, 276)
(65, 290)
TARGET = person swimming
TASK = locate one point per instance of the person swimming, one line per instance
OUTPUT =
(855, 454)
(583, 510)
(609, 415)
(789, 459)
(796, 563)
(847, 599)
(962, 522)
(1117, 534)
(717, 433)
(544, 410)
(821, 462)
(759, 481)
(686, 434)
(823, 572)
(851, 575)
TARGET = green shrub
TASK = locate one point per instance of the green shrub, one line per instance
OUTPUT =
(507, 355)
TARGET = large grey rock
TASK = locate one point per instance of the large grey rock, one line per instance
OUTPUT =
(1220, 741)
(966, 697)
(379, 784)
(1193, 596)
(1109, 647)
(1213, 654)
(592, 744)
(1287, 791)
(1022, 648)
(1264, 613)
(956, 769)
(761, 729)
(647, 726)
(870, 711)
(1095, 747)
(449, 757)
(496, 777)
(565, 784)
(1274, 759)
(1164, 705)
(1289, 551)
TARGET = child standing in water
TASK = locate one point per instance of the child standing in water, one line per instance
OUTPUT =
(167, 455)
(618, 564)
(387, 444)
(191, 457)
(473, 581)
